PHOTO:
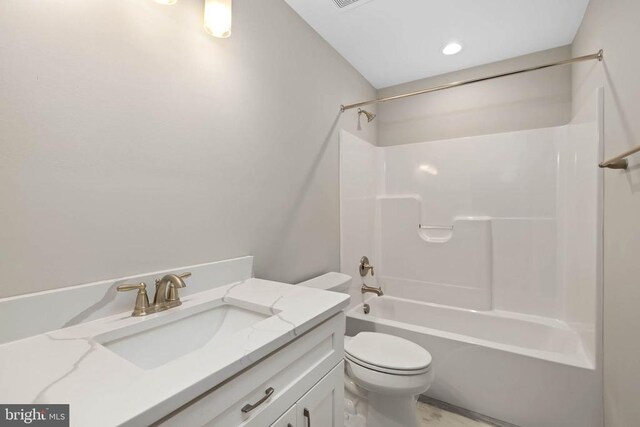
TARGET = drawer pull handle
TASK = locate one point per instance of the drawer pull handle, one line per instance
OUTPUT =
(307, 415)
(248, 407)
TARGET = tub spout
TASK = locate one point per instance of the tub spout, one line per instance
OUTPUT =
(377, 291)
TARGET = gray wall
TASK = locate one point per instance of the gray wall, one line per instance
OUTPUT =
(131, 141)
(525, 101)
(613, 26)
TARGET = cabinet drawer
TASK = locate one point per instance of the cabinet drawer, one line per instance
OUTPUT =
(290, 371)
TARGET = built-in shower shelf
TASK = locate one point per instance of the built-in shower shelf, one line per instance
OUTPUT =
(451, 266)
(435, 227)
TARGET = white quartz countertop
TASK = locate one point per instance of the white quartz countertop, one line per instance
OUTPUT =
(103, 389)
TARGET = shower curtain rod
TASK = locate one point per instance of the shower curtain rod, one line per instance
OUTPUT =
(597, 56)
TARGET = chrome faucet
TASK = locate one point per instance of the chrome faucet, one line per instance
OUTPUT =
(365, 267)
(378, 291)
(166, 296)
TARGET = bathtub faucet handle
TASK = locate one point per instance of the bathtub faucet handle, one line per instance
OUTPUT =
(365, 267)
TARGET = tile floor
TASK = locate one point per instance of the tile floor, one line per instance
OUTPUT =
(431, 416)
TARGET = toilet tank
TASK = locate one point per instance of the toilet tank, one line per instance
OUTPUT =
(336, 282)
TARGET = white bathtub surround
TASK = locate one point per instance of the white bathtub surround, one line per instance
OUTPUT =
(457, 271)
(360, 182)
(506, 296)
(88, 367)
(508, 180)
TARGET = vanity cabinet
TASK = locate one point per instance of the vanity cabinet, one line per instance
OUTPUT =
(322, 406)
(289, 419)
(300, 384)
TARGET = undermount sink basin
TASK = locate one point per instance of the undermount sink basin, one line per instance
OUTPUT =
(170, 338)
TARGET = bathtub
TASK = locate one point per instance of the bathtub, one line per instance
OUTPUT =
(525, 370)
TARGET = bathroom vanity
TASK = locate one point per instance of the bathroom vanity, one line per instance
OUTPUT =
(299, 385)
(247, 353)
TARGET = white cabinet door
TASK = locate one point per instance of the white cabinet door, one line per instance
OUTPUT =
(288, 419)
(323, 405)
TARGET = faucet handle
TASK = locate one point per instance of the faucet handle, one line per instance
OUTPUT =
(365, 267)
(142, 299)
(125, 288)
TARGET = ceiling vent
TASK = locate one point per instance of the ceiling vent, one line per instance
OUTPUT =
(349, 4)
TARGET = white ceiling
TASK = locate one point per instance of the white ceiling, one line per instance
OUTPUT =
(396, 41)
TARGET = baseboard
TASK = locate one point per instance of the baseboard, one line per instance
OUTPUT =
(464, 412)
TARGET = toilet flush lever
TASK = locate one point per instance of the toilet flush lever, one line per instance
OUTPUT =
(365, 267)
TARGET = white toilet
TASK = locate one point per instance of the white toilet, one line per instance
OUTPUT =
(384, 374)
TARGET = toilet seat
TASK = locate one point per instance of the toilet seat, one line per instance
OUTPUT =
(387, 354)
(385, 370)
(388, 384)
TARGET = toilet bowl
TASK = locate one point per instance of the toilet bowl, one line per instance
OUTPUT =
(384, 374)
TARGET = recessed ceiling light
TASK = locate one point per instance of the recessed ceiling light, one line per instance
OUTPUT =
(452, 48)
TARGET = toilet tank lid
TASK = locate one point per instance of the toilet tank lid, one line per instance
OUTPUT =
(328, 281)
(387, 351)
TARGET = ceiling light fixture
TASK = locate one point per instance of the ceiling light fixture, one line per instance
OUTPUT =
(217, 18)
(452, 48)
(166, 2)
